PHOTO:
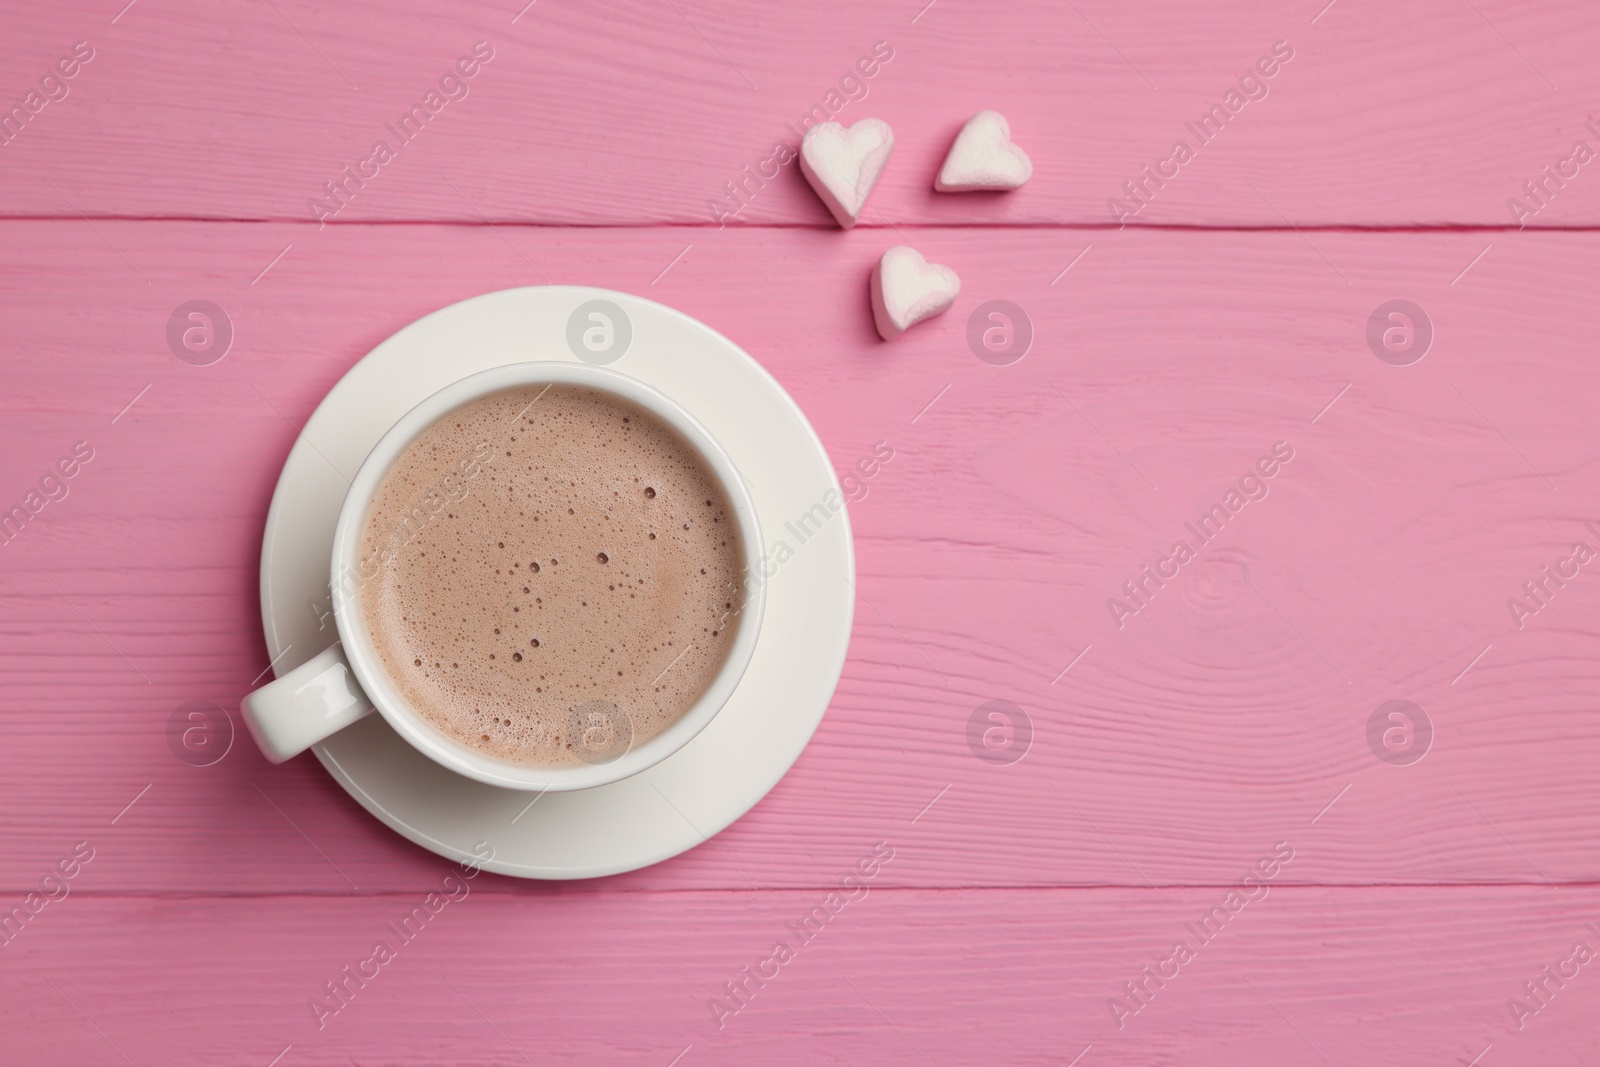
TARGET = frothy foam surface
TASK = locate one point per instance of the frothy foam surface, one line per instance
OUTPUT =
(541, 559)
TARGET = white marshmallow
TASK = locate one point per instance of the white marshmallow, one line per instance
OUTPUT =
(843, 163)
(907, 289)
(983, 157)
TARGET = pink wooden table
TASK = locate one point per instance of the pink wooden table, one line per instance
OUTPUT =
(1442, 910)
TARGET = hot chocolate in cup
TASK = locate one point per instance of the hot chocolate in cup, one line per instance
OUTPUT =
(544, 577)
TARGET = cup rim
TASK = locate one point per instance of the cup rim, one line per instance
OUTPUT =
(346, 580)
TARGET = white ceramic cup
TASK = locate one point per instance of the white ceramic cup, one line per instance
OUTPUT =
(346, 682)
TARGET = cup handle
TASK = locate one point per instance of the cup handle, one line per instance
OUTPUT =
(314, 701)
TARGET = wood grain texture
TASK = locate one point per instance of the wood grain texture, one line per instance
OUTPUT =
(638, 112)
(535, 974)
(1172, 749)
(1231, 710)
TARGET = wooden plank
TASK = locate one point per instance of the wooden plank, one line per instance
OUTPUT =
(639, 112)
(515, 974)
(1231, 710)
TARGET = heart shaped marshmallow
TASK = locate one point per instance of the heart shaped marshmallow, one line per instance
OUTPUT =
(983, 157)
(842, 163)
(907, 289)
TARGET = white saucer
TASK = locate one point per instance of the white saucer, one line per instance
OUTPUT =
(733, 763)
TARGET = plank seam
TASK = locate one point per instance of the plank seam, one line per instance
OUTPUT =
(508, 894)
(1420, 228)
